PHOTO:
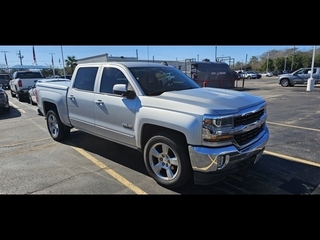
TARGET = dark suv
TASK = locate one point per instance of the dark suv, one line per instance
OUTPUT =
(4, 80)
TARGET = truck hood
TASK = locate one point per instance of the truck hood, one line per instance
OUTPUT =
(205, 100)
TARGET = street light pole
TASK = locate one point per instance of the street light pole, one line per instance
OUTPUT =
(285, 63)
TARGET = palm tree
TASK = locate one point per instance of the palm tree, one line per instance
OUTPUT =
(71, 62)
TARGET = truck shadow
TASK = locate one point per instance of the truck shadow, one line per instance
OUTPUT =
(13, 113)
(269, 176)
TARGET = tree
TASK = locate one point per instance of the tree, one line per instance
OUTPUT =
(71, 62)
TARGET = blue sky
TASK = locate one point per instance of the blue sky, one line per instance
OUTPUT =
(44, 54)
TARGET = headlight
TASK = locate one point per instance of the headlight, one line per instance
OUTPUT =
(217, 131)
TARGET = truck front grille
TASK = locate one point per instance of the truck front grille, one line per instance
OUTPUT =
(248, 118)
(246, 137)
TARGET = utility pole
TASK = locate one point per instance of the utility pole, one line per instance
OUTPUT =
(5, 58)
(19, 56)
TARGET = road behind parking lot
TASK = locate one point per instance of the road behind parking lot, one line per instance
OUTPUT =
(32, 163)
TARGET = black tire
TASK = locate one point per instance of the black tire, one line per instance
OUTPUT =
(285, 82)
(12, 94)
(167, 160)
(58, 131)
(19, 97)
(249, 77)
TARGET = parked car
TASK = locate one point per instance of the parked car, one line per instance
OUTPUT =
(32, 95)
(299, 76)
(250, 75)
(267, 74)
(258, 75)
(4, 99)
(5, 79)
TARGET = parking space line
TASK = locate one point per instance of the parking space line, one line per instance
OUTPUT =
(292, 126)
(294, 159)
(114, 174)
(16, 107)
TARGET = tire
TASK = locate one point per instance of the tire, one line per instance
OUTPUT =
(18, 97)
(167, 160)
(285, 82)
(248, 77)
(58, 131)
(12, 94)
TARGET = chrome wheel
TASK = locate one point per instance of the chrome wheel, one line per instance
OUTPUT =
(53, 126)
(167, 160)
(56, 128)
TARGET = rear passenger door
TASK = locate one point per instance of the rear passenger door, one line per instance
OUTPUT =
(80, 99)
(114, 113)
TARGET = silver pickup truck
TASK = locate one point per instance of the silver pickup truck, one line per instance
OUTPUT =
(187, 133)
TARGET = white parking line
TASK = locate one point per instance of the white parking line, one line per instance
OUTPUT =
(292, 126)
(16, 107)
(294, 159)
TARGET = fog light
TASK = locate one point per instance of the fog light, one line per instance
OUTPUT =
(222, 161)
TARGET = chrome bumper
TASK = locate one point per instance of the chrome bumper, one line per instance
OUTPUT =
(205, 160)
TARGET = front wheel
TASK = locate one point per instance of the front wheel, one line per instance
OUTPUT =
(285, 82)
(57, 129)
(167, 160)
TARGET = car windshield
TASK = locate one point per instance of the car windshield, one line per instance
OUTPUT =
(156, 80)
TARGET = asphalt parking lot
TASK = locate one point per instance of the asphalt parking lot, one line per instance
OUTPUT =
(32, 163)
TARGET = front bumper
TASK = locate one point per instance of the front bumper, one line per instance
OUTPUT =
(204, 161)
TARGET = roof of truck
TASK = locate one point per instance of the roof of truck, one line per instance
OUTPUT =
(128, 64)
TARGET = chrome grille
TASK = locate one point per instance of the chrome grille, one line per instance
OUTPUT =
(248, 118)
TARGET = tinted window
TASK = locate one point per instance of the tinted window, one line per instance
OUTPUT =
(110, 77)
(29, 75)
(85, 78)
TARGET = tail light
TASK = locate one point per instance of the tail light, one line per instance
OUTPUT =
(19, 83)
(36, 94)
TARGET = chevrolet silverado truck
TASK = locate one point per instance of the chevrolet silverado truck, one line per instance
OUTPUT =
(188, 134)
(299, 76)
(21, 82)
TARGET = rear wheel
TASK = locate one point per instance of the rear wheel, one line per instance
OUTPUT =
(167, 160)
(57, 129)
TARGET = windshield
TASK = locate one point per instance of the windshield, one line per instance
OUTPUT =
(156, 80)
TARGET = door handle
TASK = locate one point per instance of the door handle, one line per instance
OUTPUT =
(99, 102)
(71, 97)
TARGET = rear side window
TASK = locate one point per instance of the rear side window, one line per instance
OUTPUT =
(85, 78)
